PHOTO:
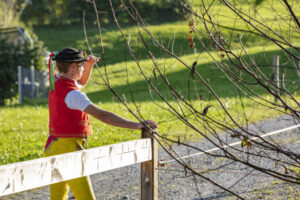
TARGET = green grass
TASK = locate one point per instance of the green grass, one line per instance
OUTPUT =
(24, 129)
(56, 38)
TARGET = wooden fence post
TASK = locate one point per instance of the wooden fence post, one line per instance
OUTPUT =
(149, 173)
(276, 76)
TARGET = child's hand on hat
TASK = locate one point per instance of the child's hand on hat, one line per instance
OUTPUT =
(93, 59)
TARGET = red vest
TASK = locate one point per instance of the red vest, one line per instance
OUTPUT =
(65, 122)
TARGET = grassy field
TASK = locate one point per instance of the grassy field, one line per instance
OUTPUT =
(24, 129)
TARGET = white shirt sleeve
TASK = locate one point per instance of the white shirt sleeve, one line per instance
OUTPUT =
(77, 100)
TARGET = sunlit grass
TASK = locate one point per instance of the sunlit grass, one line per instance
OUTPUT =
(24, 129)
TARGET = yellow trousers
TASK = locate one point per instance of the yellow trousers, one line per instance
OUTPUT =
(80, 187)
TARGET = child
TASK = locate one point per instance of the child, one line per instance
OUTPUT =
(69, 110)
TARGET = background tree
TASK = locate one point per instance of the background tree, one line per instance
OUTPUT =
(55, 12)
(11, 55)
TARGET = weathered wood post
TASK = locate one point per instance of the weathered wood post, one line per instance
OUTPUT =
(276, 76)
(149, 173)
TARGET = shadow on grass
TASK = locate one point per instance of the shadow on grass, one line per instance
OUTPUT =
(181, 80)
(139, 90)
(174, 38)
(73, 36)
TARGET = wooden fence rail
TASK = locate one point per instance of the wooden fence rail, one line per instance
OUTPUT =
(21, 176)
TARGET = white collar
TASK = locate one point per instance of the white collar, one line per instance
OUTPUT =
(76, 83)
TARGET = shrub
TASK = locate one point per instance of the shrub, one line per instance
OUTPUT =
(11, 56)
(66, 12)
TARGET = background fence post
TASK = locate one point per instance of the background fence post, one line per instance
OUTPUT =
(276, 76)
(32, 81)
(20, 83)
(149, 173)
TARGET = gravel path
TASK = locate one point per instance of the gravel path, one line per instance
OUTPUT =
(175, 184)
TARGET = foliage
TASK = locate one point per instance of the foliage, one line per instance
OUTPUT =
(12, 56)
(55, 12)
(8, 71)
(10, 11)
(38, 53)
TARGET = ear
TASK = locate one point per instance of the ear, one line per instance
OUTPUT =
(73, 65)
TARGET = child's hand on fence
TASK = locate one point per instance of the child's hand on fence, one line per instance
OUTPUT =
(148, 124)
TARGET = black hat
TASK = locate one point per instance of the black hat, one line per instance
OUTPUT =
(70, 55)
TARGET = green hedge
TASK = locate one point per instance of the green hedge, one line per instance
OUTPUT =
(11, 56)
(58, 12)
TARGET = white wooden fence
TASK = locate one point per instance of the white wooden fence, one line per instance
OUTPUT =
(40, 172)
